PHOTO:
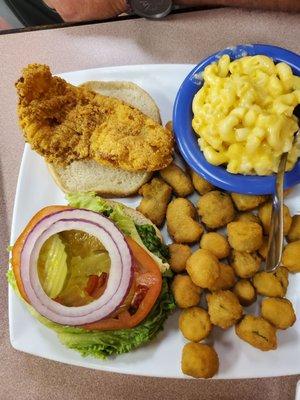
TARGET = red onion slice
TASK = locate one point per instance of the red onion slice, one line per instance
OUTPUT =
(120, 276)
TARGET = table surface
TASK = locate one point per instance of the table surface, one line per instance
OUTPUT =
(183, 38)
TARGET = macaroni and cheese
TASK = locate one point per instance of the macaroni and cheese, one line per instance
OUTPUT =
(243, 114)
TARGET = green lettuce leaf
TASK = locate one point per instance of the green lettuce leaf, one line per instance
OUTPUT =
(124, 222)
(89, 201)
(12, 280)
(116, 213)
(101, 344)
(93, 264)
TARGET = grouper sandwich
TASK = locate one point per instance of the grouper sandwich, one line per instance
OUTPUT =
(105, 137)
(94, 271)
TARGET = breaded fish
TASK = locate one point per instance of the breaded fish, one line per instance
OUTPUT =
(64, 123)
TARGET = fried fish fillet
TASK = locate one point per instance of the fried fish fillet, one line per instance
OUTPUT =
(64, 123)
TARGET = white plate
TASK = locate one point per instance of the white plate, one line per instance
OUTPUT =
(161, 357)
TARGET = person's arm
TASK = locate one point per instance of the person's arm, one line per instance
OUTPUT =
(84, 10)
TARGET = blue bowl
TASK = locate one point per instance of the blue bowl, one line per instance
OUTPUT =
(187, 140)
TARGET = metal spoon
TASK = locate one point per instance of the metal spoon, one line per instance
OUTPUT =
(275, 242)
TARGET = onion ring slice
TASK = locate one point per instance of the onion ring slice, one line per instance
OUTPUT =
(120, 276)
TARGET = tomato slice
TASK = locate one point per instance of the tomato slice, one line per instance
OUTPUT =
(92, 283)
(146, 287)
(18, 246)
(96, 285)
(147, 284)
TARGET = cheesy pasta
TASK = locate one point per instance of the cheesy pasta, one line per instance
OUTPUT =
(243, 114)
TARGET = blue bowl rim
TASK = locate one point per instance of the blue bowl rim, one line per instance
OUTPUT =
(186, 137)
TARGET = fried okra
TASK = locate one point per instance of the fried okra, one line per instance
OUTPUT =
(179, 253)
(294, 232)
(216, 209)
(224, 308)
(226, 279)
(248, 217)
(200, 184)
(271, 284)
(199, 360)
(245, 264)
(195, 324)
(156, 196)
(245, 202)
(178, 179)
(169, 125)
(186, 293)
(203, 268)
(279, 312)
(291, 256)
(245, 236)
(216, 244)
(257, 332)
(245, 292)
(265, 212)
(181, 223)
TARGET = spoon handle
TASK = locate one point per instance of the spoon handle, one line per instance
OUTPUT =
(275, 242)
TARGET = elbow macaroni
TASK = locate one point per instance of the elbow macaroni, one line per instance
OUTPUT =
(243, 114)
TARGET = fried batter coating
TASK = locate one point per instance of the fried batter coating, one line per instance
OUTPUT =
(263, 250)
(186, 293)
(169, 125)
(258, 332)
(181, 223)
(156, 196)
(282, 275)
(195, 324)
(215, 243)
(226, 279)
(179, 253)
(264, 213)
(294, 232)
(245, 264)
(224, 308)
(199, 360)
(64, 123)
(271, 284)
(216, 209)
(245, 292)
(291, 256)
(178, 179)
(203, 268)
(200, 184)
(248, 217)
(244, 202)
(279, 312)
(245, 236)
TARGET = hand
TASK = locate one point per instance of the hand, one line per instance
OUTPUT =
(87, 10)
